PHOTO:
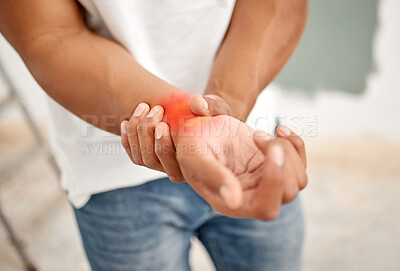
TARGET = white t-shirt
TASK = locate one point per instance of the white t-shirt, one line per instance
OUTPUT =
(175, 40)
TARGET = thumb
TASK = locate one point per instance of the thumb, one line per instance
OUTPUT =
(262, 139)
(211, 180)
(209, 105)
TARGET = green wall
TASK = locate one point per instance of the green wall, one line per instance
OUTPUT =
(335, 52)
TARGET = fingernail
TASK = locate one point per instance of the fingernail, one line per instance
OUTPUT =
(277, 154)
(159, 131)
(284, 130)
(123, 127)
(265, 136)
(204, 104)
(139, 110)
(153, 111)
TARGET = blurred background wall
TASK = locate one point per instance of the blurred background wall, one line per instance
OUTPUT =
(336, 52)
(345, 70)
(345, 78)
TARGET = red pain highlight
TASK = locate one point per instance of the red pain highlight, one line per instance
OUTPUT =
(177, 111)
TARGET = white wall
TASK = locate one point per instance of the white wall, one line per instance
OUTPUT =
(376, 112)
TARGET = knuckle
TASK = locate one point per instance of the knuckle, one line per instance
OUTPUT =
(159, 150)
(131, 127)
(135, 149)
(265, 211)
(132, 122)
(146, 126)
(274, 179)
(153, 122)
(149, 122)
(141, 127)
(149, 161)
(271, 214)
(303, 181)
(145, 151)
(162, 150)
(290, 195)
(272, 173)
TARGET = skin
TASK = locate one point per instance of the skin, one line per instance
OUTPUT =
(93, 77)
(101, 82)
(261, 37)
(249, 174)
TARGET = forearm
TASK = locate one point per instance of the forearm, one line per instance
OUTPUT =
(260, 39)
(94, 78)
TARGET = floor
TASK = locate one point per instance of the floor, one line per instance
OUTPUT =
(352, 207)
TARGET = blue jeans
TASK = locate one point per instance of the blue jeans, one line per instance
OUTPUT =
(148, 227)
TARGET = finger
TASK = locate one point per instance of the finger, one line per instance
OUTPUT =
(302, 178)
(145, 129)
(298, 143)
(209, 105)
(199, 105)
(262, 139)
(131, 129)
(217, 106)
(124, 139)
(164, 148)
(295, 176)
(284, 174)
(213, 181)
(268, 196)
(291, 176)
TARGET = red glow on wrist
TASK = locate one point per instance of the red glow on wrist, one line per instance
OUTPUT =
(177, 111)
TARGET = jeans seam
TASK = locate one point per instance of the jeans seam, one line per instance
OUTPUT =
(213, 246)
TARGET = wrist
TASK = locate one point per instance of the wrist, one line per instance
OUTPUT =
(177, 113)
(239, 108)
(240, 95)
